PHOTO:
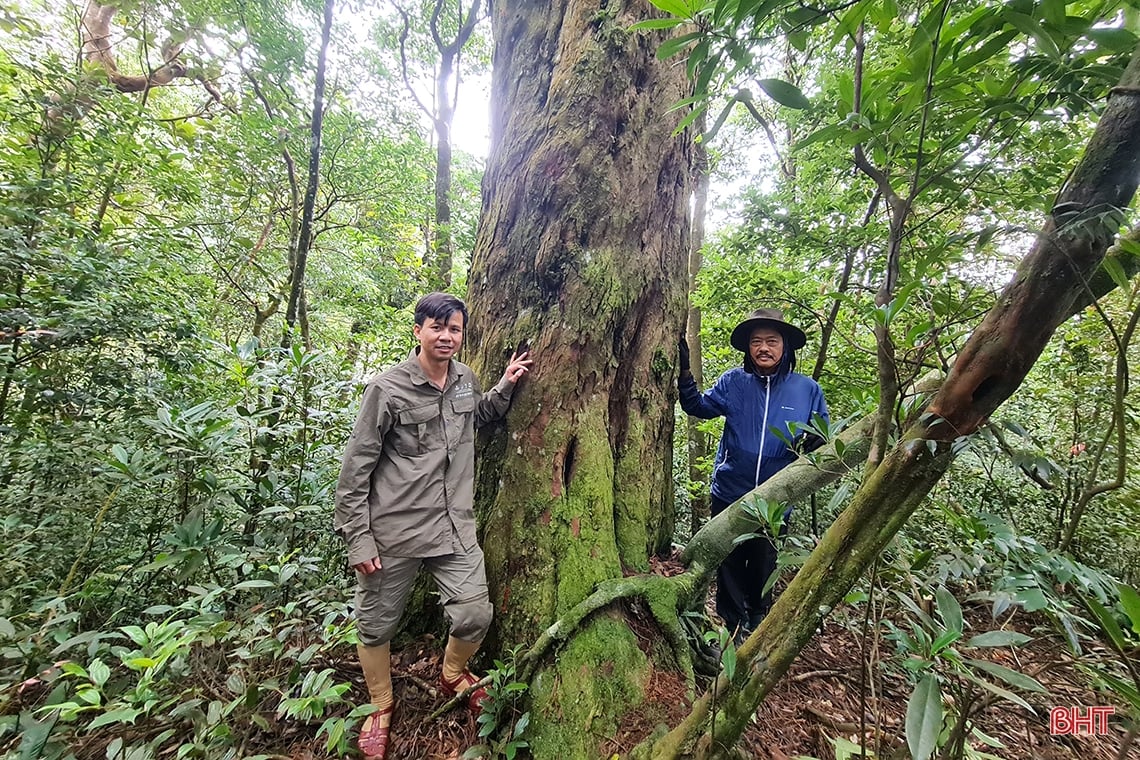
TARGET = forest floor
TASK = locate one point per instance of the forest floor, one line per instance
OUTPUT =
(817, 704)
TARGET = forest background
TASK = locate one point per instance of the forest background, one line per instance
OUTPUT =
(216, 217)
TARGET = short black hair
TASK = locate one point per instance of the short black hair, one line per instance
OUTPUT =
(440, 307)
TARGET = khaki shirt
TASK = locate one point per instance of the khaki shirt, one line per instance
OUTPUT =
(408, 473)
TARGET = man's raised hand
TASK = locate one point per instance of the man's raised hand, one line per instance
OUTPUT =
(518, 366)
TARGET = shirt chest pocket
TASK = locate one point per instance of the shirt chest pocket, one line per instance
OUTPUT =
(417, 430)
(459, 416)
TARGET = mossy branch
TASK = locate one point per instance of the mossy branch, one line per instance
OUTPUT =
(712, 543)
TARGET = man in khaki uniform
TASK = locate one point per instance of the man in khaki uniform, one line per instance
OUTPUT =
(405, 499)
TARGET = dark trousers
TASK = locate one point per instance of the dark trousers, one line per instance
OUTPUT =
(740, 579)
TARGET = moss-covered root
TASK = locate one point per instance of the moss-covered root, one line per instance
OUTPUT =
(661, 595)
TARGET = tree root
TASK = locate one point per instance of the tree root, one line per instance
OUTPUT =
(662, 597)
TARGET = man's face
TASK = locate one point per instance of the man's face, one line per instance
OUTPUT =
(766, 347)
(439, 341)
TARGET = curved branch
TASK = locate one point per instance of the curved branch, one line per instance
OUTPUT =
(1117, 425)
(97, 48)
(404, 63)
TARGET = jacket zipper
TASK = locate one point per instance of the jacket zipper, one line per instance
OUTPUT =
(763, 427)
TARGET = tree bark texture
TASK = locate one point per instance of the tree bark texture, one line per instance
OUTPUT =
(300, 257)
(1055, 279)
(97, 48)
(581, 255)
(698, 447)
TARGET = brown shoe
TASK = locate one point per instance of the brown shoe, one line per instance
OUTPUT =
(373, 740)
(466, 680)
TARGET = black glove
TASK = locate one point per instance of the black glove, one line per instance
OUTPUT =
(810, 442)
(683, 356)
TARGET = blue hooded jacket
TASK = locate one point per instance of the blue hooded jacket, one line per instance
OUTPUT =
(753, 407)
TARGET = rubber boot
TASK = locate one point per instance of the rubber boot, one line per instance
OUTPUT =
(376, 662)
(456, 677)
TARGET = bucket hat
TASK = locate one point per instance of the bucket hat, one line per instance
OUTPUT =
(774, 318)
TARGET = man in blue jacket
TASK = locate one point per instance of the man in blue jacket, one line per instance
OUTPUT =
(757, 400)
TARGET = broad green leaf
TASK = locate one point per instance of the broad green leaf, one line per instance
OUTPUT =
(75, 669)
(1107, 622)
(927, 32)
(99, 672)
(784, 93)
(1126, 689)
(1005, 694)
(830, 132)
(845, 749)
(944, 639)
(254, 584)
(1130, 601)
(999, 639)
(121, 715)
(850, 20)
(884, 13)
(1011, 677)
(136, 634)
(724, 9)
(802, 15)
(1029, 26)
(1032, 599)
(1116, 272)
(728, 661)
(924, 717)
(90, 696)
(999, 44)
(656, 23)
(674, 45)
(950, 610)
(697, 57)
(140, 663)
(674, 7)
(1115, 40)
(689, 118)
(34, 735)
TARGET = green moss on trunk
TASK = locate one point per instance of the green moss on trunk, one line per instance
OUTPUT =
(578, 702)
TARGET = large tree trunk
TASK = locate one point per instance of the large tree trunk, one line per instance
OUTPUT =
(581, 254)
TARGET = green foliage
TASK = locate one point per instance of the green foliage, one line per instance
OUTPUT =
(170, 583)
(503, 721)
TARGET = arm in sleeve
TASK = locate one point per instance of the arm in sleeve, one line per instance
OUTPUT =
(493, 404)
(707, 405)
(353, 520)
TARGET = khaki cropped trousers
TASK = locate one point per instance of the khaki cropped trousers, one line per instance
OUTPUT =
(462, 582)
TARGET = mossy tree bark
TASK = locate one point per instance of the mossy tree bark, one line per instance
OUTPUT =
(581, 255)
